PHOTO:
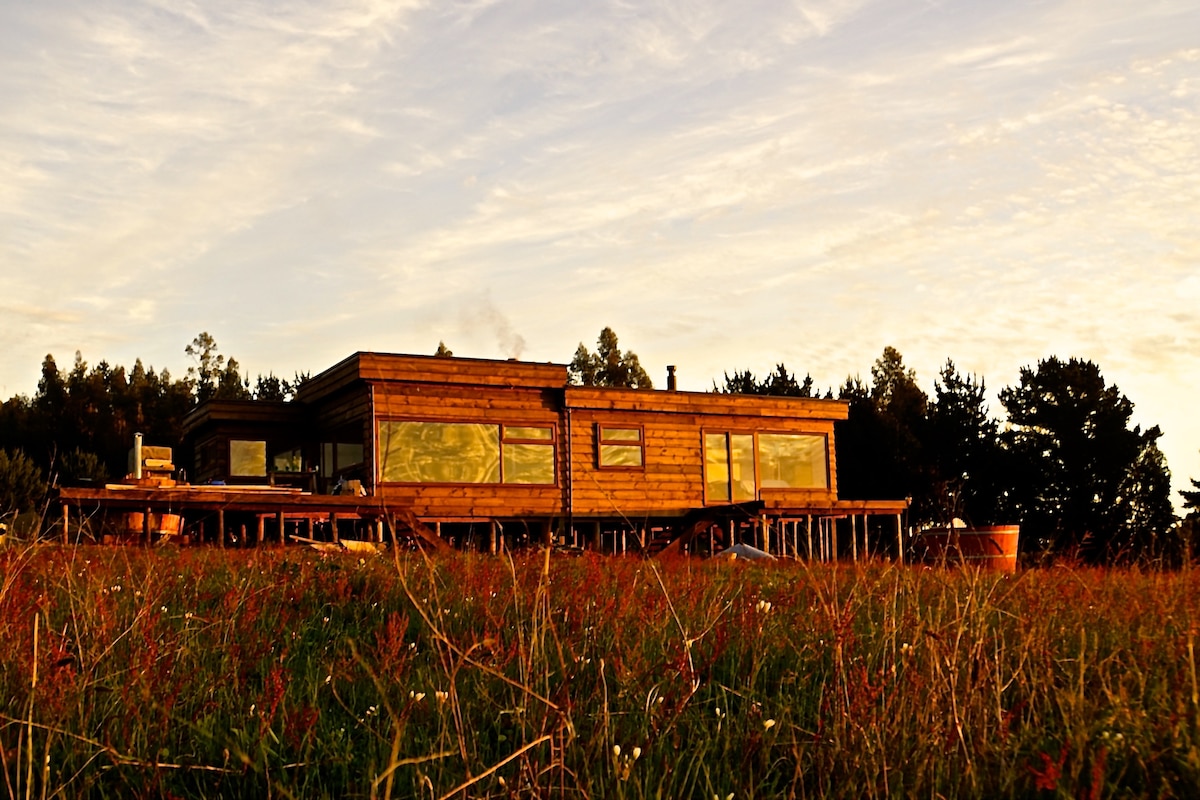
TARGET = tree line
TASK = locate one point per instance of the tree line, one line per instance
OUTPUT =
(1064, 462)
(79, 425)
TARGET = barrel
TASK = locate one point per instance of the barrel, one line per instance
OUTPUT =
(987, 546)
(160, 524)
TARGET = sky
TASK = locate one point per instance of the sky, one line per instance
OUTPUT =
(727, 185)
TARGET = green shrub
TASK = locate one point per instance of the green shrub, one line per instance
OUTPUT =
(22, 487)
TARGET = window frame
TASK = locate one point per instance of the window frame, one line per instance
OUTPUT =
(728, 434)
(329, 466)
(602, 441)
(259, 443)
(502, 438)
(551, 442)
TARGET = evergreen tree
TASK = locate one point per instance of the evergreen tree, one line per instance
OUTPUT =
(214, 376)
(608, 366)
(1082, 478)
(779, 383)
(963, 449)
(880, 445)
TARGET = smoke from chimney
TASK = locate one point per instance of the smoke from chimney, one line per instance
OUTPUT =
(511, 343)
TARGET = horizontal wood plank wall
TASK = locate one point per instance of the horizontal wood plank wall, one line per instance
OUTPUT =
(385, 367)
(210, 427)
(464, 371)
(674, 423)
(260, 414)
(494, 404)
(210, 459)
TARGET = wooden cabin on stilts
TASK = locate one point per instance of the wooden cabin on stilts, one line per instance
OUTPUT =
(489, 455)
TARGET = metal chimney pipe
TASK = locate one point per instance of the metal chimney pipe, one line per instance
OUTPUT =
(137, 456)
(670, 377)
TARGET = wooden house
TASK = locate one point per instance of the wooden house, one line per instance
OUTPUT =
(489, 453)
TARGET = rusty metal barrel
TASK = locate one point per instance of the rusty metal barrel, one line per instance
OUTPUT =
(991, 547)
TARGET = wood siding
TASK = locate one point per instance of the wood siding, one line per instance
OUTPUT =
(672, 481)
(494, 403)
(347, 403)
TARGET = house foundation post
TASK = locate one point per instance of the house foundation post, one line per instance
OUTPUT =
(854, 538)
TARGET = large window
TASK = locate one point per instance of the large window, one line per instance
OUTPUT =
(465, 452)
(729, 467)
(790, 461)
(737, 465)
(288, 461)
(528, 454)
(247, 459)
(337, 457)
(620, 448)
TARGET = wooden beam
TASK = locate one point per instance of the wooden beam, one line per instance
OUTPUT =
(421, 531)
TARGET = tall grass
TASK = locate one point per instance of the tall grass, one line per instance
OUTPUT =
(189, 673)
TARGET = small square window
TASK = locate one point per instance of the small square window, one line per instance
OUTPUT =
(247, 459)
(620, 448)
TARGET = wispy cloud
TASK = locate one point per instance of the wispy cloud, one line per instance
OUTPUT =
(726, 186)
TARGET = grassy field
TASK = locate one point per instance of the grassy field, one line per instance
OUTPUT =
(272, 673)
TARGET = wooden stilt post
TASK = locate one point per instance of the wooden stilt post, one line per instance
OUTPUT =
(242, 535)
(899, 539)
(866, 535)
(333, 531)
(260, 530)
(221, 527)
(808, 529)
(281, 526)
(66, 538)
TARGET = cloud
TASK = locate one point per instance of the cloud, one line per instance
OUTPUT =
(726, 187)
